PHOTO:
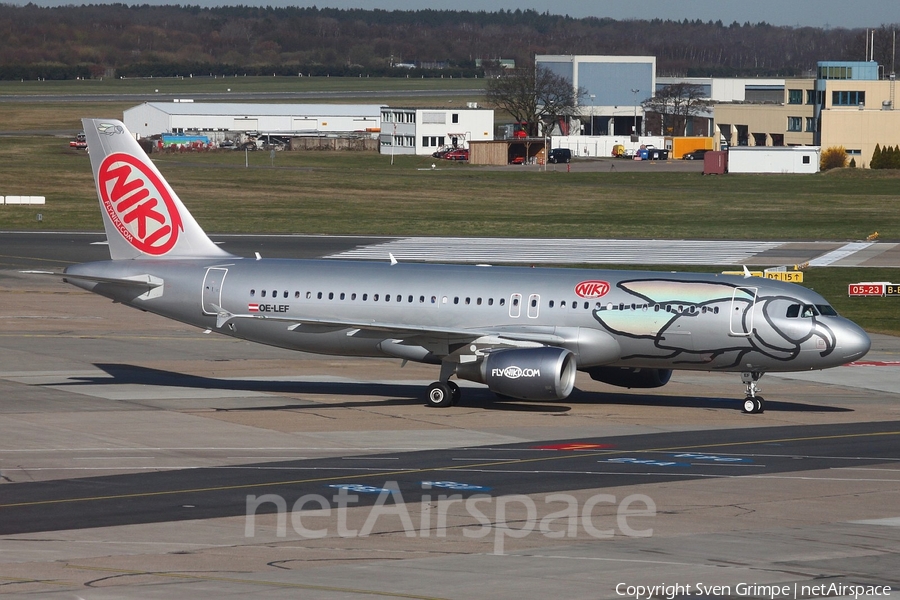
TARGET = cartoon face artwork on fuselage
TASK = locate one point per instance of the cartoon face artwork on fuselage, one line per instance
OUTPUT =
(662, 320)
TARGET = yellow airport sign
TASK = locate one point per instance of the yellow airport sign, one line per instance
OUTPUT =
(790, 276)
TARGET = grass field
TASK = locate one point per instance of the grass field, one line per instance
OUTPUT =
(363, 193)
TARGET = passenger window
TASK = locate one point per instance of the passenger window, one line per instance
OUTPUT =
(374, 297)
(353, 296)
(296, 294)
(400, 298)
(274, 293)
(343, 295)
(365, 297)
(262, 293)
(456, 300)
(468, 301)
(490, 301)
(252, 293)
(319, 295)
(562, 303)
(550, 304)
(478, 302)
(793, 311)
(502, 301)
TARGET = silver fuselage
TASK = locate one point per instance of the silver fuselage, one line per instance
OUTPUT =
(640, 319)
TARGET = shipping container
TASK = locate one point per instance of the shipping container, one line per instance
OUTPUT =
(773, 159)
(715, 163)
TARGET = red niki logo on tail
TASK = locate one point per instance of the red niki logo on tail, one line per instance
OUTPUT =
(139, 204)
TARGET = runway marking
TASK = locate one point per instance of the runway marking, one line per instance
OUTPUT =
(555, 457)
(836, 255)
(262, 582)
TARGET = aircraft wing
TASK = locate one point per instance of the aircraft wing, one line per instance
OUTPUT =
(425, 335)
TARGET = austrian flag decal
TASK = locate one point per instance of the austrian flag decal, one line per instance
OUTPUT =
(592, 289)
(253, 307)
(139, 204)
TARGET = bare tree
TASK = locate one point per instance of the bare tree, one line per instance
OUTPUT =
(676, 104)
(533, 96)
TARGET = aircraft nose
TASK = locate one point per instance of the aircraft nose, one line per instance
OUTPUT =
(852, 342)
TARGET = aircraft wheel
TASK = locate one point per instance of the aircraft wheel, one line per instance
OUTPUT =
(439, 395)
(754, 405)
(455, 394)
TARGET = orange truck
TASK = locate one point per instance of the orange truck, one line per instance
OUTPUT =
(680, 146)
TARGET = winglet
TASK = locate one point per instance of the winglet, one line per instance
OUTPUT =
(393, 260)
(747, 273)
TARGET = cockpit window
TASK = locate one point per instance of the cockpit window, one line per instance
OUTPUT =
(827, 310)
(809, 310)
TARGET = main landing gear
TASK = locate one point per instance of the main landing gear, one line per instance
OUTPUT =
(753, 404)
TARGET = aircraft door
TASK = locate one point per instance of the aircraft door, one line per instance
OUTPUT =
(212, 289)
(743, 302)
(515, 306)
(534, 306)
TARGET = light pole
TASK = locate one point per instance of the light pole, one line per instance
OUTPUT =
(592, 113)
(634, 130)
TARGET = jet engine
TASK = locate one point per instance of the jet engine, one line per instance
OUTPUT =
(630, 377)
(545, 373)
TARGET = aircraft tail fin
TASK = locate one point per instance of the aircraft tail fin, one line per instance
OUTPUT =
(142, 215)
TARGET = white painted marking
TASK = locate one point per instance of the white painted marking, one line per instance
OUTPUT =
(889, 522)
(836, 255)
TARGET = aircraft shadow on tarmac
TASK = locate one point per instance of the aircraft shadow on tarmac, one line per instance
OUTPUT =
(403, 394)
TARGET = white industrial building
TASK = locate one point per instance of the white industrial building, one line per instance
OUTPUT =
(226, 120)
(424, 130)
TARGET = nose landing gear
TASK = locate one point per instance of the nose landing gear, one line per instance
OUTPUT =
(753, 404)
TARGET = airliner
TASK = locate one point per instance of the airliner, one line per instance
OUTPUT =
(522, 332)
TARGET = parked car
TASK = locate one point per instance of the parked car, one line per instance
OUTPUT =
(458, 154)
(695, 155)
(560, 155)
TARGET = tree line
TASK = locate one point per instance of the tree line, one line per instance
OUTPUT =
(120, 40)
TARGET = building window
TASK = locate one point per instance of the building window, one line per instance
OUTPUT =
(454, 117)
(810, 124)
(805, 160)
(835, 72)
(810, 96)
(794, 123)
(848, 98)
(795, 96)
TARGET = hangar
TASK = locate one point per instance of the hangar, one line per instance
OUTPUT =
(219, 121)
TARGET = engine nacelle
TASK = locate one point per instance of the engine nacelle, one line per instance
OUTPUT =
(630, 377)
(544, 373)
